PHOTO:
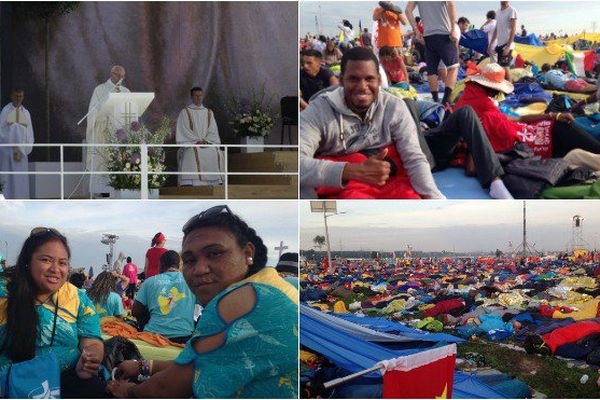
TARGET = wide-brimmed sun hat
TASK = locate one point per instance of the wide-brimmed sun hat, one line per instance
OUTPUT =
(493, 76)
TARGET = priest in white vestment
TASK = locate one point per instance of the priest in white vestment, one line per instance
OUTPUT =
(196, 125)
(15, 127)
(95, 131)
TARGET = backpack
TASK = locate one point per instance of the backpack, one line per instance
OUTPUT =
(559, 103)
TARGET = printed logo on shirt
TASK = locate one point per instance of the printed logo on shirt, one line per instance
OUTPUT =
(167, 301)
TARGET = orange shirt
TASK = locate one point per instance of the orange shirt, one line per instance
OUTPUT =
(389, 32)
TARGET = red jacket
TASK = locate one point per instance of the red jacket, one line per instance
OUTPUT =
(500, 130)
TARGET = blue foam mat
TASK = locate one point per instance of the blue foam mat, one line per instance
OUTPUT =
(454, 184)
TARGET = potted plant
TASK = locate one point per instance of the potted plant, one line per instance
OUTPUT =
(252, 120)
(127, 159)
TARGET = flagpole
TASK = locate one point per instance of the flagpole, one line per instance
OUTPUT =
(339, 381)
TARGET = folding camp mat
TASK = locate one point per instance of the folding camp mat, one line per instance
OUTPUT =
(454, 184)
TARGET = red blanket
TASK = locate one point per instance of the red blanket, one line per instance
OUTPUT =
(444, 307)
(570, 334)
(397, 187)
(502, 132)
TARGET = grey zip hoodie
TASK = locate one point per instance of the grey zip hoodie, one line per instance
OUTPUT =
(387, 121)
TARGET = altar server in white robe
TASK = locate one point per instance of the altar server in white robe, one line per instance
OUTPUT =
(196, 125)
(95, 129)
(15, 127)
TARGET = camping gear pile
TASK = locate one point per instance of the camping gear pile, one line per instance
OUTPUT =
(543, 305)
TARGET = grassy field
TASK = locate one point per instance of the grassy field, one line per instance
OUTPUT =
(547, 375)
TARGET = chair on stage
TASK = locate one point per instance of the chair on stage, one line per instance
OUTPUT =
(289, 115)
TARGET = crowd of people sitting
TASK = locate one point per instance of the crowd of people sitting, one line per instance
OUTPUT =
(208, 304)
(367, 133)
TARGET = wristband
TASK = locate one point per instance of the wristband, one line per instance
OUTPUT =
(557, 116)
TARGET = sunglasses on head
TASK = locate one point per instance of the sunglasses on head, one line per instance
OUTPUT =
(211, 212)
(40, 230)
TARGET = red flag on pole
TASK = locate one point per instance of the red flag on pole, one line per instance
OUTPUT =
(425, 375)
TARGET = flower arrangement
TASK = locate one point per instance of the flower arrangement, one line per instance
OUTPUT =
(253, 117)
(129, 158)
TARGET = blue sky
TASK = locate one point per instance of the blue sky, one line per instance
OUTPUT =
(449, 225)
(135, 222)
(539, 17)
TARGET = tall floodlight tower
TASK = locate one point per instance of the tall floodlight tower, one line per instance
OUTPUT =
(329, 209)
(525, 248)
(110, 240)
(577, 241)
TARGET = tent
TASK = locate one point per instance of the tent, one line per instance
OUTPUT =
(475, 40)
(531, 40)
(319, 334)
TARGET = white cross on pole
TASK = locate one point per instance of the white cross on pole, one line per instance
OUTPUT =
(281, 248)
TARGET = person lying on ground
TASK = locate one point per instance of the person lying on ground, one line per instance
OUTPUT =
(559, 80)
(356, 117)
(504, 131)
(589, 100)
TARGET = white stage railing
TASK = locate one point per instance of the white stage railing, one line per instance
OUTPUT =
(144, 172)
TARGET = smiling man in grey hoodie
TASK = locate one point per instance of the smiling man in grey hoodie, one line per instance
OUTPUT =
(358, 117)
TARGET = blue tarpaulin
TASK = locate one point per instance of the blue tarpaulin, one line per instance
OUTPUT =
(385, 325)
(356, 355)
(531, 40)
(591, 124)
(454, 184)
(527, 93)
(475, 40)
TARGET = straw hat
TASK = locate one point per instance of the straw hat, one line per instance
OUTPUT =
(492, 76)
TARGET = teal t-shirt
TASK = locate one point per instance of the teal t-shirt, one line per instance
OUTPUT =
(170, 303)
(259, 358)
(112, 308)
(77, 319)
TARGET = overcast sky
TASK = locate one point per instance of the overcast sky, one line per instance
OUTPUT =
(539, 17)
(464, 226)
(135, 222)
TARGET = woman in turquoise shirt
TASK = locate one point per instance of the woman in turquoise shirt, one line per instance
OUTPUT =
(102, 293)
(35, 291)
(245, 344)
